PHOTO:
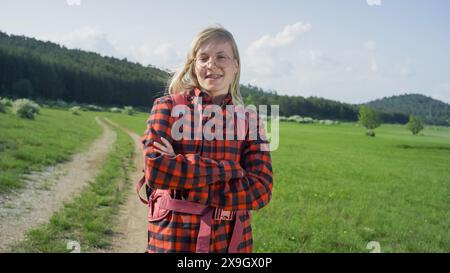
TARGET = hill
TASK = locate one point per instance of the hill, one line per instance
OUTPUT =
(431, 111)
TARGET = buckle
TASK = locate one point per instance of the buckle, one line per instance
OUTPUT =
(227, 215)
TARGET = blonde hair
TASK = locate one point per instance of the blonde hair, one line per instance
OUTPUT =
(185, 78)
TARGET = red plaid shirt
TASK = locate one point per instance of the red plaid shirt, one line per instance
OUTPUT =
(227, 174)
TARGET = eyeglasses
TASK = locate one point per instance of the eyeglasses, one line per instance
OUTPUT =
(219, 60)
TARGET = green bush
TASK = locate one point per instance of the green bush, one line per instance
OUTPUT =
(295, 118)
(25, 108)
(6, 102)
(75, 110)
(115, 110)
(60, 103)
(128, 110)
(92, 107)
(370, 133)
(299, 119)
(306, 120)
(329, 122)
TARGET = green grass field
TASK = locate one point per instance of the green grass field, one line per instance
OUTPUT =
(335, 189)
(30, 145)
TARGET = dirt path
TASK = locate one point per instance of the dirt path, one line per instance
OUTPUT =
(132, 222)
(46, 191)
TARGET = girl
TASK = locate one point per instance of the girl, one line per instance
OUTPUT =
(202, 190)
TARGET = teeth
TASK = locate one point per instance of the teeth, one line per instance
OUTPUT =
(214, 76)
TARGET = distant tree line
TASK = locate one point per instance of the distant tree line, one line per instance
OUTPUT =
(314, 107)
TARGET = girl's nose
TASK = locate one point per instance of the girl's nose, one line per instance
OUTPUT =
(211, 62)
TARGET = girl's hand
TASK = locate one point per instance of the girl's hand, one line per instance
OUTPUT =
(164, 149)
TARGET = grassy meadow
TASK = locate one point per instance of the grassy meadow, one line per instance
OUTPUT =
(335, 189)
(30, 145)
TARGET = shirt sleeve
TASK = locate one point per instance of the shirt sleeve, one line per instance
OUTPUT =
(254, 190)
(183, 171)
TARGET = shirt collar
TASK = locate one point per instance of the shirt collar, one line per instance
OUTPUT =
(207, 99)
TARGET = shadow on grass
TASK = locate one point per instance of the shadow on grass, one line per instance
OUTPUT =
(423, 147)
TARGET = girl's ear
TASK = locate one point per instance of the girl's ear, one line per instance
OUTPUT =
(236, 65)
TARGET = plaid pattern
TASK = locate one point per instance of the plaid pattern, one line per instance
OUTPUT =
(229, 174)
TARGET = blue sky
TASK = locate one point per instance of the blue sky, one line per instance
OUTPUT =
(348, 50)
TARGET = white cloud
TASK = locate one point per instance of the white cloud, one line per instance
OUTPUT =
(164, 55)
(373, 2)
(90, 39)
(288, 66)
(283, 38)
(73, 2)
(353, 75)
(271, 55)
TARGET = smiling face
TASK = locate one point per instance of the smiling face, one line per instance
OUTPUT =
(215, 67)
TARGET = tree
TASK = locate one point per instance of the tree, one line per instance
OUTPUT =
(248, 100)
(369, 119)
(414, 125)
(22, 88)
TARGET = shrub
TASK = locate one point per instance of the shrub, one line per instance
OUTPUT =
(306, 120)
(128, 110)
(115, 110)
(327, 122)
(60, 103)
(295, 118)
(75, 110)
(6, 102)
(92, 107)
(370, 133)
(25, 108)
